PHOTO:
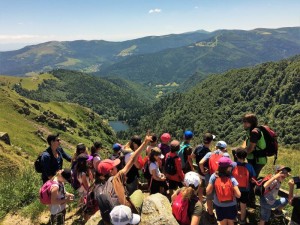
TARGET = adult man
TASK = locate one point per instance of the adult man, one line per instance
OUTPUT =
(52, 158)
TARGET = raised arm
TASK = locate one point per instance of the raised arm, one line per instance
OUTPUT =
(135, 155)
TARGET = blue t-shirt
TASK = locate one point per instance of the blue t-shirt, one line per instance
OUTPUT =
(252, 173)
(215, 200)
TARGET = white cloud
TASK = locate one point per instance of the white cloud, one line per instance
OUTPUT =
(196, 7)
(155, 11)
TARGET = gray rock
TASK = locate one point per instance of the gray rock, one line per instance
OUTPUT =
(157, 211)
(5, 138)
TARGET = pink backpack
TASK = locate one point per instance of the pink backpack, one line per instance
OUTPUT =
(45, 192)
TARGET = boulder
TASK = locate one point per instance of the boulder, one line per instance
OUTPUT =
(157, 211)
(5, 138)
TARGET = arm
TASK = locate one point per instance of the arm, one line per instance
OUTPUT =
(55, 200)
(195, 220)
(156, 177)
(65, 155)
(190, 161)
(269, 182)
(201, 164)
(291, 190)
(209, 188)
(46, 162)
(134, 156)
(251, 147)
(237, 192)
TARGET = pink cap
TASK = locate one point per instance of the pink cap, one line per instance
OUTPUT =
(107, 165)
(165, 137)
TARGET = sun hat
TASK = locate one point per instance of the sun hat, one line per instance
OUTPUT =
(225, 162)
(192, 178)
(165, 137)
(188, 134)
(122, 215)
(107, 165)
(221, 144)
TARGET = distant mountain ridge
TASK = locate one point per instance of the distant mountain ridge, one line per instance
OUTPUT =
(158, 59)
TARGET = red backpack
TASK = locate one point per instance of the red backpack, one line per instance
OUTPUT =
(45, 192)
(213, 162)
(224, 189)
(241, 174)
(180, 210)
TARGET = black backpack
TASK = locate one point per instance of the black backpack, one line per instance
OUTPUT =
(38, 164)
(146, 172)
(170, 166)
(200, 151)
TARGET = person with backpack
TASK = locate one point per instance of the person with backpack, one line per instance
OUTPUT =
(118, 154)
(111, 188)
(212, 158)
(295, 202)
(199, 152)
(173, 170)
(95, 152)
(133, 175)
(164, 146)
(243, 172)
(185, 152)
(268, 199)
(255, 145)
(225, 190)
(53, 193)
(158, 179)
(186, 207)
(52, 158)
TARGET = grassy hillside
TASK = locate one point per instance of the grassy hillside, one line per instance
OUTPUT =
(28, 124)
(114, 99)
(226, 50)
(271, 90)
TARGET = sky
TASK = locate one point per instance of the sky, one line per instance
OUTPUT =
(24, 22)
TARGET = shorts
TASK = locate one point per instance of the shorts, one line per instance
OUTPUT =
(244, 197)
(265, 208)
(155, 186)
(223, 213)
(173, 185)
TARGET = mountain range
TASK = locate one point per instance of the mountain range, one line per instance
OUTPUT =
(158, 59)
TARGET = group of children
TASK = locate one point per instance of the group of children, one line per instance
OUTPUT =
(169, 170)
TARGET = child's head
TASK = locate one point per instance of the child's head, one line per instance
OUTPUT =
(108, 167)
(192, 182)
(165, 138)
(222, 146)
(283, 170)
(153, 142)
(175, 146)
(155, 154)
(225, 166)
(241, 153)
(80, 148)
(135, 142)
(64, 175)
(208, 137)
(96, 147)
(188, 135)
(117, 147)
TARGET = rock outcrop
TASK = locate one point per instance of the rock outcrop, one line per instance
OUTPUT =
(5, 138)
(157, 211)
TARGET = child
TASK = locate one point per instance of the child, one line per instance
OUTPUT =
(268, 200)
(164, 145)
(95, 149)
(59, 197)
(226, 190)
(190, 213)
(295, 202)
(158, 179)
(82, 171)
(118, 154)
(122, 214)
(175, 180)
(185, 152)
(243, 173)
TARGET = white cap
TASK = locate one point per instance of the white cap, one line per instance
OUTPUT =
(192, 178)
(221, 144)
(161, 156)
(122, 215)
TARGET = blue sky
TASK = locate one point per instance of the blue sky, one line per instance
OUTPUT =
(34, 21)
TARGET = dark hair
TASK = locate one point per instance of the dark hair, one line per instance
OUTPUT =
(154, 137)
(222, 171)
(241, 153)
(95, 147)
(207, 138)
(51, 137)
(250, 118)
(81, 166)
(175, 148)
(154, 152)
(135, 139)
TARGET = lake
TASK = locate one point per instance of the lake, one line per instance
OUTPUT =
(118, 125)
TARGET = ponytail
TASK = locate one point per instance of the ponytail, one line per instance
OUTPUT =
(188, 192)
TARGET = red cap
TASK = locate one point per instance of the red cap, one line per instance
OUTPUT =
(165, 137)
(107, 165)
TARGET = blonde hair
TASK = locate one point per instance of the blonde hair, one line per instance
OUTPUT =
(188, 192)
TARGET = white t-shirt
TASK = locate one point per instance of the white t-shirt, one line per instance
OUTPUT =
(154, 166)
(57, 208)
(127, 157)
(96, 159)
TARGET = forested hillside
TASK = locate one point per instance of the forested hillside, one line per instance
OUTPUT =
(226, 50)
(271, 90)
(114, 99)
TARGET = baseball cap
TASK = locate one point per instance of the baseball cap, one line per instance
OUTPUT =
(188, 134)
(122, 215)
(66, 174)
(221, 144)
(117, 147)
(165, 137)
(192, 178)
(281, 168)
(225, 162)
(208, 137)
(107, 165)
